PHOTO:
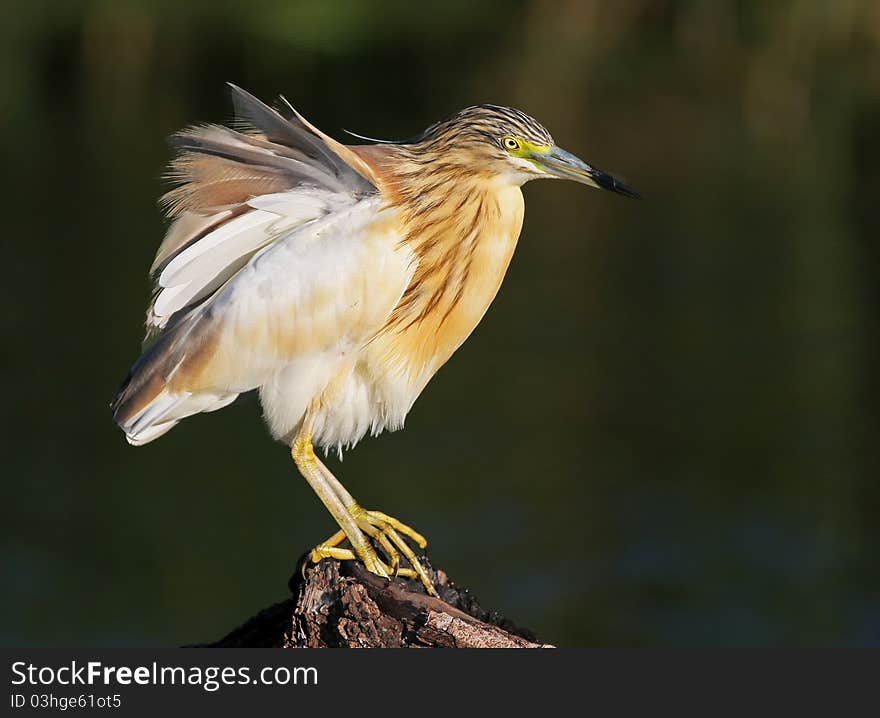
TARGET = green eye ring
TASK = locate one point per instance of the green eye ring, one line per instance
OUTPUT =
(511, 144)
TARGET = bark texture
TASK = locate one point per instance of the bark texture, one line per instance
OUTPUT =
(339, 604)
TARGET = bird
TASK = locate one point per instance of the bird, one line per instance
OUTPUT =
(334, 280)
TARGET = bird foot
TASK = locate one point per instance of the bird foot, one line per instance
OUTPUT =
(388, 534)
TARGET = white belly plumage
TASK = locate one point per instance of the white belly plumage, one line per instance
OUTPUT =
(350, 399)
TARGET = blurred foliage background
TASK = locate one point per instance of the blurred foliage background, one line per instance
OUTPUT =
(665, 431)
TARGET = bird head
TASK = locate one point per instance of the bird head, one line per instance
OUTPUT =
(512, 145)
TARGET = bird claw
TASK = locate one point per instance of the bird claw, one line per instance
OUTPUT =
(386, 532)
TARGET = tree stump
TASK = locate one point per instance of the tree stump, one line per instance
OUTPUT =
(341, 605)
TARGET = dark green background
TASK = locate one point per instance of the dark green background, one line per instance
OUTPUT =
(665, 430)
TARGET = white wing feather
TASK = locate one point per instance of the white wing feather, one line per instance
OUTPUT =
(205, 265)
(279, 259)
(308, 299)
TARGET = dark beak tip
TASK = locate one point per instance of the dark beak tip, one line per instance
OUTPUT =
(607, 182)
(622, 189)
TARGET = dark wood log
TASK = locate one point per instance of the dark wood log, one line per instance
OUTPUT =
(339, 604)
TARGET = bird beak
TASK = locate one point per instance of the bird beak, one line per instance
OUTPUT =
(564, 165)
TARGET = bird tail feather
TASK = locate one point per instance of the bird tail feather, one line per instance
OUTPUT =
(147, 405)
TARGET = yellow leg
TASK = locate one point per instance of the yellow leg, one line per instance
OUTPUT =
(385, 531)
(376, 517)
(304, 456)
(356, 521)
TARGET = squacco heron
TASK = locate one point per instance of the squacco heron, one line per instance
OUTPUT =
(335, 280)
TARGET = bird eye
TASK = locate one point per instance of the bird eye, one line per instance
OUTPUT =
(510, 143)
